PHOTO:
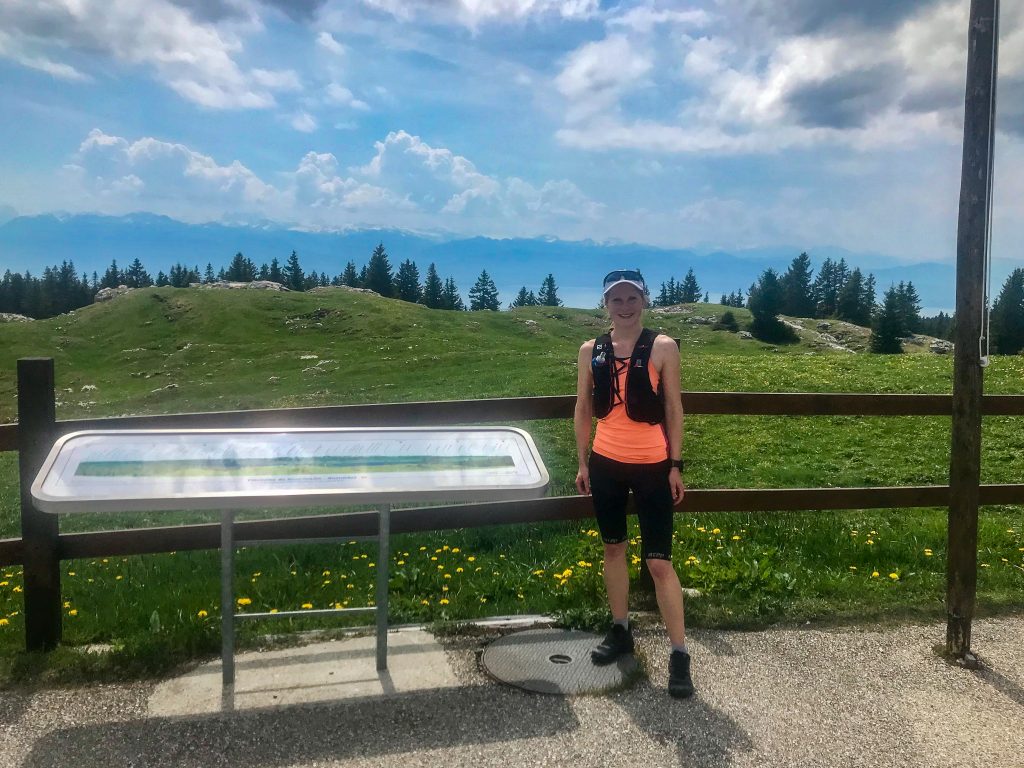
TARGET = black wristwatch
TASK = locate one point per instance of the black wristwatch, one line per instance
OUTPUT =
(677, 463)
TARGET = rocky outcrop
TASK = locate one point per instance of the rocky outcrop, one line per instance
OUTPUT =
(106, 294)
(11, 317)
(255, 285)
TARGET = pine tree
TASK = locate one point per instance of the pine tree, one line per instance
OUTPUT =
(910, 307)
(378, 273)
(523, 299)
(349, 276)
(724, 301)
(1007, 320)
(798, 300)
(887, 327)
(766, 300)
(825, 292)
(484, 294)
(264, 273)
(452, 299)
(433, 289)
(850, 304)
(292, 273)
(112, 277)
(408, 282)
(208, 275)
(707, 298)
(162, 279)
(274, 274)
(689, 290)
(240, 270)
(548, 294)
(136, 275)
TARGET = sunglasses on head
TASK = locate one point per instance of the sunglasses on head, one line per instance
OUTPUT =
(623, 274)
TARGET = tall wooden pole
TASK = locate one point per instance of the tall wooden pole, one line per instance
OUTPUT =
(39, 531)
(971, 250)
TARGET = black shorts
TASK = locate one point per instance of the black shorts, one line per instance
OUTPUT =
(610, 484)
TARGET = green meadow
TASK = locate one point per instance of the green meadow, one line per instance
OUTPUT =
(171, 350)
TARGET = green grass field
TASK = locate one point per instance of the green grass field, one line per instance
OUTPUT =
(167, 351)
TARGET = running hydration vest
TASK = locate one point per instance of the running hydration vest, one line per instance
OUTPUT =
(642, 402)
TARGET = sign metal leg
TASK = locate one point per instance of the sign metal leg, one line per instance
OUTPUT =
(383, 561)
(227, 597)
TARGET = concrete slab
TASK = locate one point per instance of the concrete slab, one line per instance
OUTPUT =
(320, 672)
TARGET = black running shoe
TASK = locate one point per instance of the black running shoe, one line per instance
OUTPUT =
(680, 685)
(617, 642)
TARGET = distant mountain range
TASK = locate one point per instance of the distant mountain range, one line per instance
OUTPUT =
(92, 241)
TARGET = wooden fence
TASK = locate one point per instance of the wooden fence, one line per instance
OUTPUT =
(42, 546)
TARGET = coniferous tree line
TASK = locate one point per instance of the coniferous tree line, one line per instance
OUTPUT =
(836, 292)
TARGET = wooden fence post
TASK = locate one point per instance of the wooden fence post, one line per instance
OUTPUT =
(39, 531)
(971, 252)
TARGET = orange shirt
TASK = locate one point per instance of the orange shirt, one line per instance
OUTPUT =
(622, 439)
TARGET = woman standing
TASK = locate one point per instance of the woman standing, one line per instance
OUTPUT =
(629, 379)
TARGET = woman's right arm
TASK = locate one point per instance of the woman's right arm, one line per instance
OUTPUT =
(584, 414)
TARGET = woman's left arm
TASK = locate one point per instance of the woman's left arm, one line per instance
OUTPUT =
(666, 362)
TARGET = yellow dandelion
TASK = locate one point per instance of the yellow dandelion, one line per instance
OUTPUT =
(3, 583)
(424, 602)
(483, 599)
(582, 563)
(984, 565)
(717, 531)
(4, 622)
(440, 567)
(434, 558)
(325, 573)
(477, 569)
(307, 606)
(244, 601)
(894, 576)
(202, 614)
(869, 541)
(73, 612)
(456, 550)
(471, 558)
(874, 574)
(350, 586)
(735, 538)
(423, 549)
(443, 601)
(459, 569)
(401, 562)
(853, 567)
(371, 565)
(447, 575)
(927, 553)
(71, 573)
(444, 588)
(67, 604)
(18, 589)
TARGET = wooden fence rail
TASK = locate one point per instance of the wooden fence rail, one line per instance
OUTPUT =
(53, 546)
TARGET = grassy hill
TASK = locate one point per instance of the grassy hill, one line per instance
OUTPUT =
(167, 350)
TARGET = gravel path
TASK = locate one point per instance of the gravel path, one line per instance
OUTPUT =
(795, 697)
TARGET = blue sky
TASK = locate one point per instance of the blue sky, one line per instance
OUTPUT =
(719, 124)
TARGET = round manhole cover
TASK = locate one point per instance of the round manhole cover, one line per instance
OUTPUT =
(554, 661)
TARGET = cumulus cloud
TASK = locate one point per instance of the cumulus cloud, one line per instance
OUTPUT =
(760, 76)
(406, 182)
(326, 41)
(303, 121)
(169, 177)
(190, 46)
(596, 75)
(338, 94)
(472, 13)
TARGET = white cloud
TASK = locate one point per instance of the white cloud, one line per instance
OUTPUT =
(16, 51)
(195, 58)
(473, 13)
(303, 121)
(277, 80)
(340, 95)
(407, 183)
(749, 85)
(596, 75)
(120, 175)
(326, 41)
(647, 18)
